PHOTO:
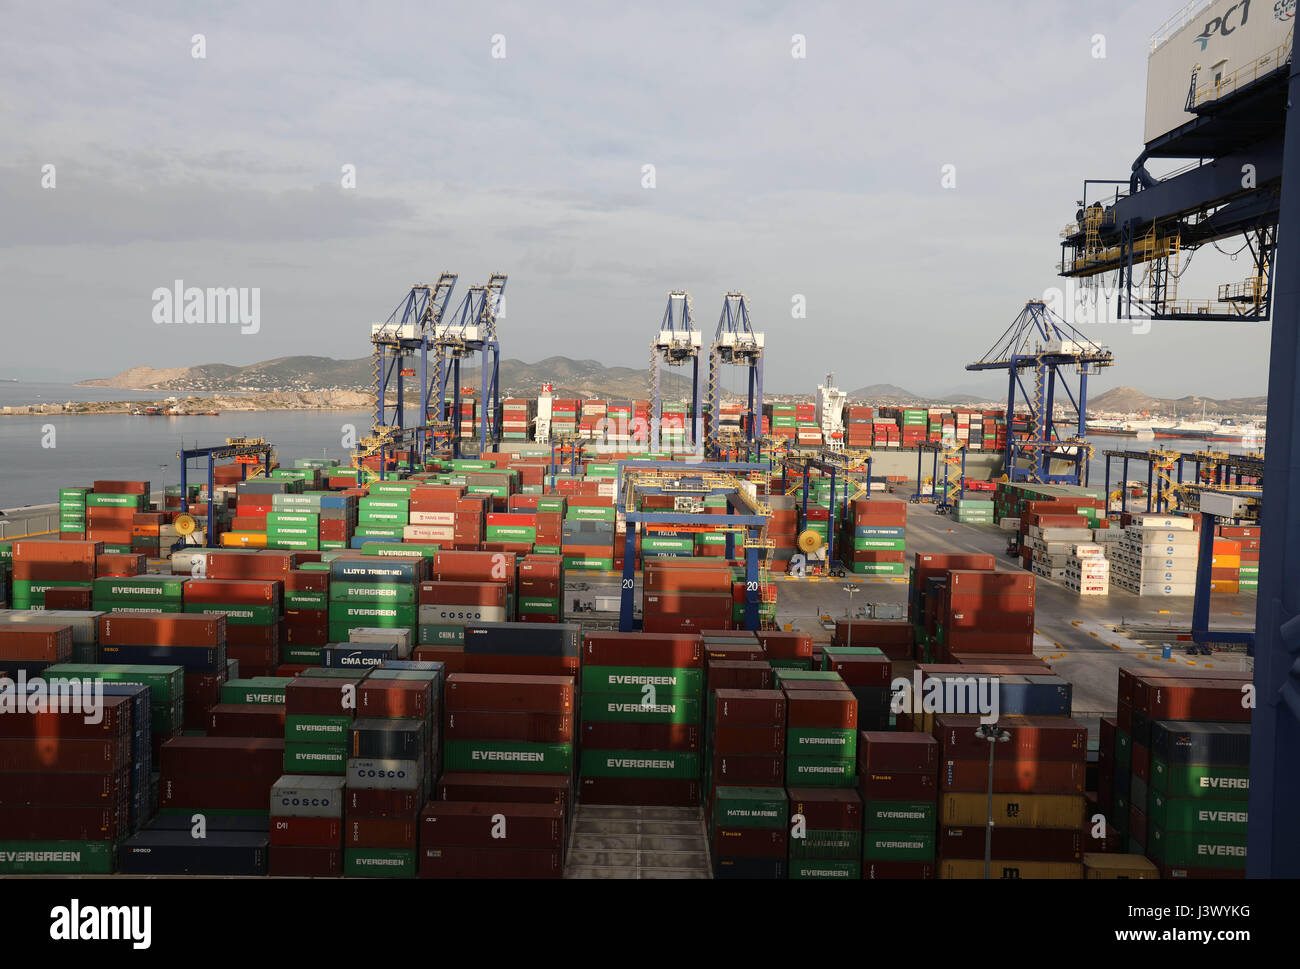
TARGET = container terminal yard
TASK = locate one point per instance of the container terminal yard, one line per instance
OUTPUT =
(702, 634)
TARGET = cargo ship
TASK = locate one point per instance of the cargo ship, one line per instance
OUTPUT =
(1226, 431)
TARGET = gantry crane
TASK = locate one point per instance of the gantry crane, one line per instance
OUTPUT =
(1242, 177)
(405, 334)
(677, 343)
(1042, 343)
(736, 343)
(472, 329)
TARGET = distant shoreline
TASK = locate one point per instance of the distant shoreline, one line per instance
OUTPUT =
(195, 406)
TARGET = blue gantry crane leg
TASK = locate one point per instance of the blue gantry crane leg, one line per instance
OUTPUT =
(1273, 850)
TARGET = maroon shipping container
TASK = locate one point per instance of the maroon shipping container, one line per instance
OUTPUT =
(53, 572)
(889, 751)
(34, 550)
(750, 708)
(897, 869)
(1141, 761)
(456, 862)
(306, 832)
(990, 583)
(368, 832)
(546, 728)
(749, 740)
(1032, 738)
(246, 720)
(1036, 844)
(873, 632)
(661, 792)
(515, 788)
(380, 802)
(256, 592)
(168, 629)
(679, 651)
(501, 691)
(739, 675)
(834, 709)
(606, 735)
(750, 843)
(31, 642)
(57, 754)
(740, 651)
(395, 699)
(786, 645)
(863, 670)
(463, 593)
(222, 757)
(325, 697)
(297, 861)
(60, 822)
(827, 809)
(79, 788)
(1014, 776)
(897, 785)
(990, 620)
(506, 664)
(115, 723)
(1204, 700)
(749, 770)
(263, 637)
(262, 564)
(492, 824)
(69, 597)
(215, 792)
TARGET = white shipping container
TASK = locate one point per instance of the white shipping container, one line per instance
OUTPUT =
(443, 614)
(1227, 45)
(428, 533)
(433, 518)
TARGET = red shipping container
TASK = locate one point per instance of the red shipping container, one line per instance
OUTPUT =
(306, 832)
(541, 694)
(169, 629)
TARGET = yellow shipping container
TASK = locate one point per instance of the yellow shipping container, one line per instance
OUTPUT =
(1119, 866)
(1011, 869)
(243, 540)
(1014, 810)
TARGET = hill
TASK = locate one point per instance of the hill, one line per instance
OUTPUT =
(1130, 400)
(571, 378)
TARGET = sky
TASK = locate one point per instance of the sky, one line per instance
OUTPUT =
(514, 137)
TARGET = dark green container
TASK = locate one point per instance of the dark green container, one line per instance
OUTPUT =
(620, 708)
(507, 757)
(379, 863)
(898, 845)
(899, 816)
(301, 758)
(750, 807)
(647, 764)
(820, 772)
(633, 680)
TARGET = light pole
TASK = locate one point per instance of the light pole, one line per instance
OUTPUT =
(162, 502)
(851, 590)
(994, 735)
